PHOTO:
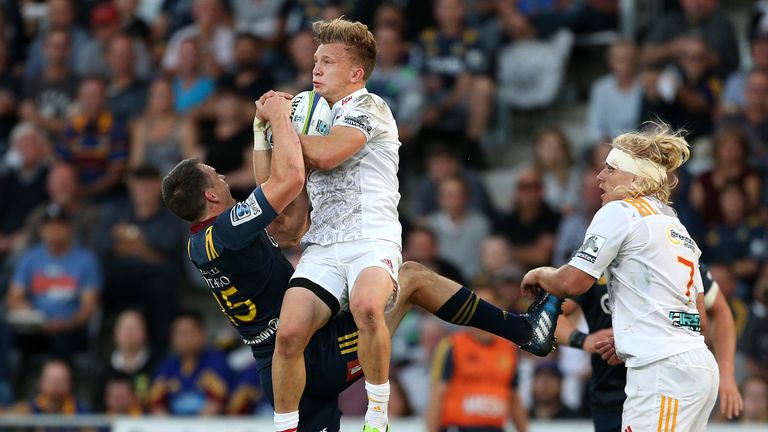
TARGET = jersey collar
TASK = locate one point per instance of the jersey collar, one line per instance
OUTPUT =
(195, 227)
(345, 100)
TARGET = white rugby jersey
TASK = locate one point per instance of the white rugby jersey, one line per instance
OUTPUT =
(651, 265)
(358, 199)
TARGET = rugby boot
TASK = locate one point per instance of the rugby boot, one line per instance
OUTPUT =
(542, 315)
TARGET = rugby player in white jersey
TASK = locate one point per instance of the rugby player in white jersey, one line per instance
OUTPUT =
(352, 249)
(655, 292)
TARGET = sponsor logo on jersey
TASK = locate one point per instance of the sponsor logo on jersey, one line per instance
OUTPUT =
(265, 334)
(388, 263)
(676, 236)
(354, 369)
(691, 321)
(322, 127)
(591, 247)
(346, 100)
(362, 121)
(628, 428)
(244, 211)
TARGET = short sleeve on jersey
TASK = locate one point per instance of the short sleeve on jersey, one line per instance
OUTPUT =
(361, 115)
(605, 235)
(239, 225)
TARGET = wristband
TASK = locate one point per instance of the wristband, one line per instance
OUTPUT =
(259, 140)
(576, 339)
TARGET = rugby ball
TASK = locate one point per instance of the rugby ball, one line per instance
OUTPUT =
(310, 115)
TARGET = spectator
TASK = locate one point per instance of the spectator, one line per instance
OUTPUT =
(55, 288)
(734, 97)
(248, 77)
(263, 19)
(105, 25)
(132, 358)
(458, 228)
(139, 246)
(213, 37)
(755, 390)
(731, 156)
(573, 227)
(191, 87)
(10, 91)
(120, 397)
(496, 259)
(443, 162)
(415, 375)
(55, 395)
(686, 93)
(615, 99)
(478, 366)
(753, 119)
(454, 72)
(201, 386)
(63, 188)
(226, 142)
(578, 16)
(531, 226)
(547, 402)
(127, 94)
(22, 186)
(160, 137)
(754, 341)
(421, 245)
(49, 94)
(553, 161)
(131, 23)
(60, 18)
(95, 142)
(247, 397)
(396, 83)
(669, 37)
(301, 50)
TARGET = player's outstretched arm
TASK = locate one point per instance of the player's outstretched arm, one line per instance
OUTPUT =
(291, 224)
(566, 281)
(723, 332)
(286, 174)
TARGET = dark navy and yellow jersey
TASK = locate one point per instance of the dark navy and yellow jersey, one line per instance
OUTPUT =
(244, 268)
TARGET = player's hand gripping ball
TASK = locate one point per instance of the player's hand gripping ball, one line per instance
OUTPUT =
(310, 115)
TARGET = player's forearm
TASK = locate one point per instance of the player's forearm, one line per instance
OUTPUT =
(319, 153)
(262, 162)
(517, 412)
(724, 335)
(287, 159)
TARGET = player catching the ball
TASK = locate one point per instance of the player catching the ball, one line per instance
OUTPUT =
(655, 291)
(235, 247)
(352, 250)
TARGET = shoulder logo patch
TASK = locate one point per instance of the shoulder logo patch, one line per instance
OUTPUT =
(244, 211)
(362, 121)
(591, 247)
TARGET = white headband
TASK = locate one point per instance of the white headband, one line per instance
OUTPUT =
(624, 161)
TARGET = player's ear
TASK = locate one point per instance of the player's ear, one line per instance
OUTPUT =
(357, 74)
(210, 195)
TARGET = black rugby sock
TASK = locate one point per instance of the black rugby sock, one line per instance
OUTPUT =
(467, 309)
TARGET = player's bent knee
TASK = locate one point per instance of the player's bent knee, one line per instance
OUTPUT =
(367, 314)
(291, 340)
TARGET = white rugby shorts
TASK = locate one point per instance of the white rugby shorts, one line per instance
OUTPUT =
(673, 394)
(331, 271)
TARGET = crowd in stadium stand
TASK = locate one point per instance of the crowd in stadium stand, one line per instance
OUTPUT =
(99, 99)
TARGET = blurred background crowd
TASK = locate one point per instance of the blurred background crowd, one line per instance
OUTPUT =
(504, 109)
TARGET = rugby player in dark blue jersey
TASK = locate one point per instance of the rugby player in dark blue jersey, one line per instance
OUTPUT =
(235, 248)
(606, 386)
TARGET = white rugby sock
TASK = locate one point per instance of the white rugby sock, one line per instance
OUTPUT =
(378, 399)
(287, 421)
